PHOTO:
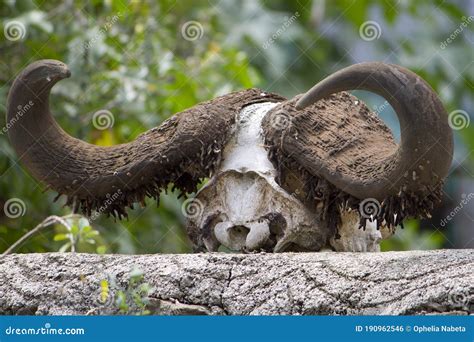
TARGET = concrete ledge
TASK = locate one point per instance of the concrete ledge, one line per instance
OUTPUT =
(393, 283)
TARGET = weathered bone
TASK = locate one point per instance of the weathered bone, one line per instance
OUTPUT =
(244, 199)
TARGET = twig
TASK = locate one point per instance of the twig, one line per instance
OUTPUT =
(46, 223)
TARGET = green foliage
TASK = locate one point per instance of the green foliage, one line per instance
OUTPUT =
(132, 300)
(79, 236)
(137, 294)
(411, 237)
(104, 291)
(130, 58)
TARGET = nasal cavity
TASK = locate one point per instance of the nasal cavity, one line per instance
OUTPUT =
(238, 234)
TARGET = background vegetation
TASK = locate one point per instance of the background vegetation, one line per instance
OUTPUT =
(132, 59)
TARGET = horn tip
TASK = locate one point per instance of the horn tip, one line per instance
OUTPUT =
(300, 104)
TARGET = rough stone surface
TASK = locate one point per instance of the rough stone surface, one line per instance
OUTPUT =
(395, 283)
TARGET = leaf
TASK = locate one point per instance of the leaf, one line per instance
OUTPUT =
(61, 237)
(101, 249)
(104, 290)
(121, 301)
(74, 230)
(87, 230)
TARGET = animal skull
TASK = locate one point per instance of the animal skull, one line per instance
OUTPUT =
(286, 175)
(244, 209)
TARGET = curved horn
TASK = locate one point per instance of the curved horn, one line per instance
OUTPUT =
(183, 150)
(425, 153)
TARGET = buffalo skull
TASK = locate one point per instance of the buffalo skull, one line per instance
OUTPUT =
(313, 172)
